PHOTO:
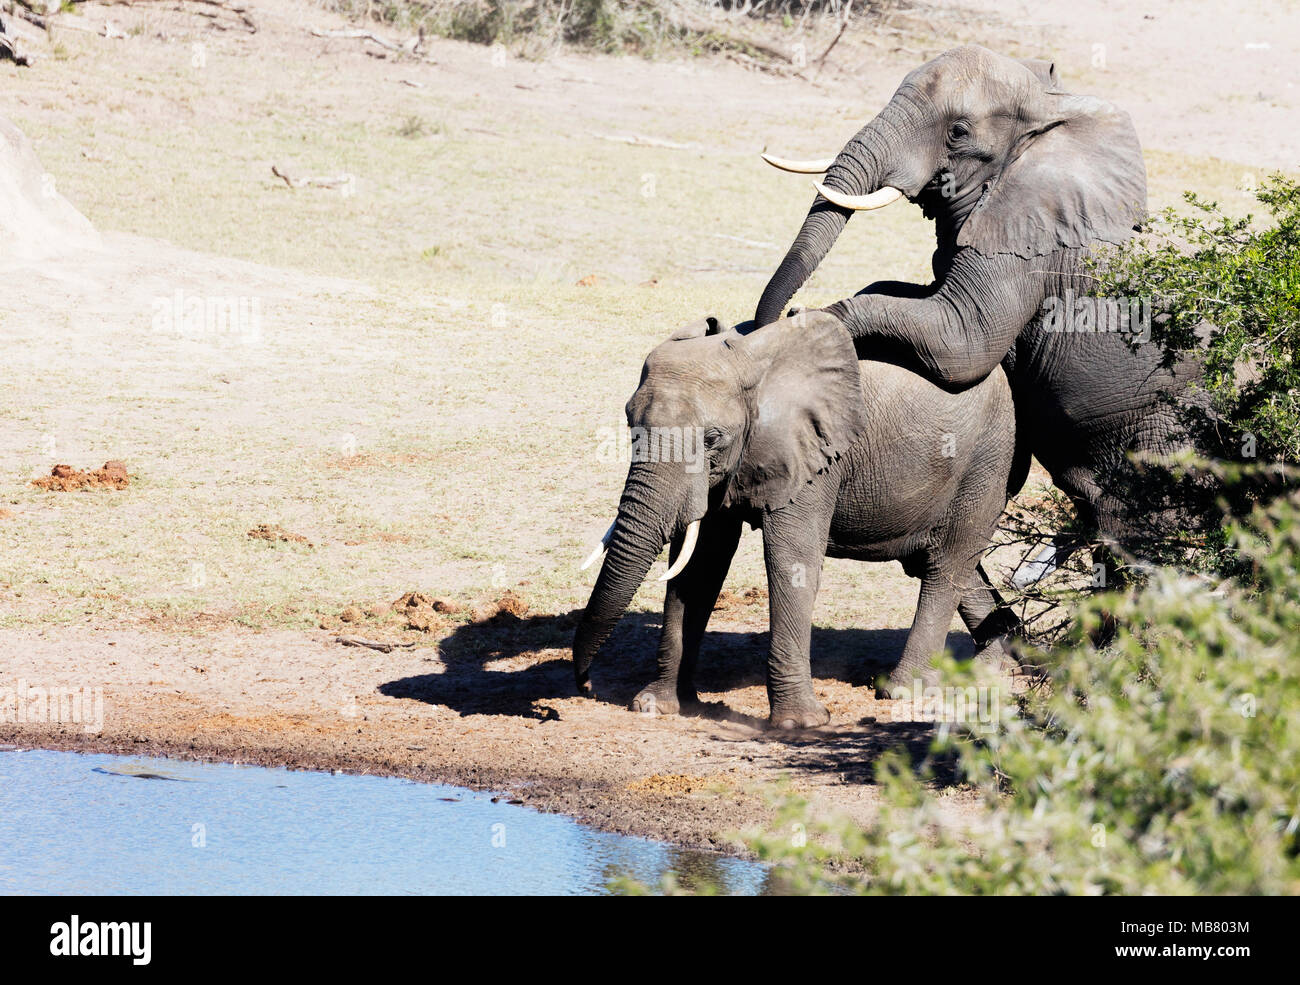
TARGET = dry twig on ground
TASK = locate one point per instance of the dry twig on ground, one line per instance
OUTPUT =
(339, 181)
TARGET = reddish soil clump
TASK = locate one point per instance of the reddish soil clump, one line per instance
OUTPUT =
(728, 599)
(510, 606)
(275, 533)
(426, 613)
(64, 478)
(438, 604)
(423, 612)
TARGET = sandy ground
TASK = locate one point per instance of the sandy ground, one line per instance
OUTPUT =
(387, 414)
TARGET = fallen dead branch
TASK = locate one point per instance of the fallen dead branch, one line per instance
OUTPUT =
(372, 644)
(360, 35)
(341, 181)
(844, 25)
(11, 49)
(103, 32)
(30, 16)
(46, 18)
(639, 141)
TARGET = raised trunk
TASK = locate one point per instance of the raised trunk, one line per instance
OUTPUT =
(858, 170)
(639, 535)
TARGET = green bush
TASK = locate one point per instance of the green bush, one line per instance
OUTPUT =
(1206, 267)
(1168, 764)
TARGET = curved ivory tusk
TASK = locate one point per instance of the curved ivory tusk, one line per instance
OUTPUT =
(688, 548)
(860, 203)
(799, 167)
(600, 548)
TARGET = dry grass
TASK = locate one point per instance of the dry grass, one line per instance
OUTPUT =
(425, 401)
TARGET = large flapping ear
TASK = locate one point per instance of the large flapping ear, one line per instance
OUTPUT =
(805, 406)
(1077, 178)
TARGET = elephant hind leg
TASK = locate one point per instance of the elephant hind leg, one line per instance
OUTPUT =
(935, 607)
(991, 622)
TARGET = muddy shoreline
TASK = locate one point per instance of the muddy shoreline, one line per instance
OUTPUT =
(515, 731)
(592, 805)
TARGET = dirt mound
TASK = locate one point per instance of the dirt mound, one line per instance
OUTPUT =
(418, 599)
(424, 612)
(728, 599)
(509, 606)
(64, 478)
(275, 533)
(36, 222)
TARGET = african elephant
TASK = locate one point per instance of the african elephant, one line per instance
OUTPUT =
(1022, 181)
(874, 463)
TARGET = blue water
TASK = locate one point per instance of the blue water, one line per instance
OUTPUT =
(92, 824)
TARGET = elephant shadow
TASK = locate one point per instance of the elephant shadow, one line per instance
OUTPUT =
(487, 673)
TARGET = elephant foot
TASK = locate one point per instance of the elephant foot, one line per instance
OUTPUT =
(660, 700)
(994, 641)
(805, 712)
(902, 682)
(998, 655)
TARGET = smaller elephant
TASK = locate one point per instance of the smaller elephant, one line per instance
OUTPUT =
(828, 456)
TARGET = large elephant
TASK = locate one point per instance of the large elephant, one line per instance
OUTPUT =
(1023, 182)
(877, 464)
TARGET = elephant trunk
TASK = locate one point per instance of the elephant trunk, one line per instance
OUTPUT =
(820, 229)
(638, 536)
(859, 169)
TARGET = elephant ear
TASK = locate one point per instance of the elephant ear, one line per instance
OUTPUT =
(1077, 178)
(805, 406)
(1045, 72)
(708, 325)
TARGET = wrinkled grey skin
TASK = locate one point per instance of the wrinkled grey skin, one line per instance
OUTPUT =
(877, 465)
(1021, 180)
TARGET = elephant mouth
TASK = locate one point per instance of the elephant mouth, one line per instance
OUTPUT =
(689, 540)
(938, 198)
(869, 202)
(884, 195)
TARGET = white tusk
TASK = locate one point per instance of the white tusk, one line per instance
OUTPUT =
(600, 548)
(1036, 569)
(799, 167)
(688, 548)
(860, 203)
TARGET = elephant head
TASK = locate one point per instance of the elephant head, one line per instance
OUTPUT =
(720, 420)
(993, 151)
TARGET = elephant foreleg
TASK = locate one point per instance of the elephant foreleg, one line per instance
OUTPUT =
(794, 545)
(687, 606)
(955, 334)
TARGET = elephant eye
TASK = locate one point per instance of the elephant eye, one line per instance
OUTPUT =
(713, 437)
(958, 130)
